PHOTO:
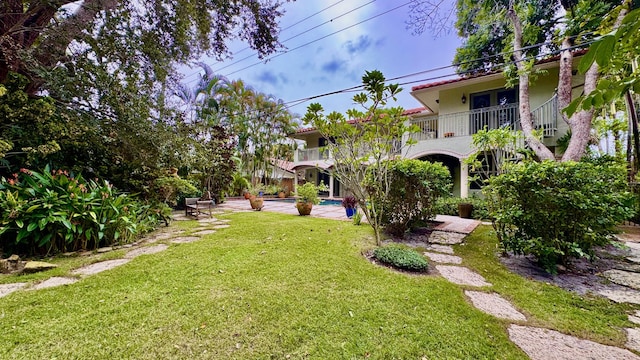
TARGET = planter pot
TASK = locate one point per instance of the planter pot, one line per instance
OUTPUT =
(247, 195)
(350, 212)
(282, 195)
(465, 210)
(256, 203)
(304, 208)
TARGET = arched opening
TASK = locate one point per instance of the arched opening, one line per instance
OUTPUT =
(453, 164)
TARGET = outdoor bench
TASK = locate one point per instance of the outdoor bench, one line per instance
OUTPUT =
(194, 206)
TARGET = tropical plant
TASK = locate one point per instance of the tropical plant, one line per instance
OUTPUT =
(55, 211)
(349, 202)
(308, 193)
(369, 137)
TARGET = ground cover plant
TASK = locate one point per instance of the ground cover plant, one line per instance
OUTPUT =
(401, 257)
(282, 286)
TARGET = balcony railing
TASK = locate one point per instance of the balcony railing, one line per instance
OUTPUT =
(313, 154)
(467, 123)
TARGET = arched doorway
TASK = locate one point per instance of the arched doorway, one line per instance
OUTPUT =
(453, 164)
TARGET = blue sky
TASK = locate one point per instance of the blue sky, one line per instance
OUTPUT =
(338, 61)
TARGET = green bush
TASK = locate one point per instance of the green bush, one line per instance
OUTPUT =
(449, 206)
(172, 190)
(415, 186)
(401, 257)
(558, 211)
(49, 212)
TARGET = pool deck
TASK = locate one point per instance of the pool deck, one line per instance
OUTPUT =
(336, 212)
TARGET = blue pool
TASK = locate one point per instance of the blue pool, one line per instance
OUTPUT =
(324, 201)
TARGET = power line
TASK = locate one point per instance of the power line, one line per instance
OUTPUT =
(295, 36)
(288, 27)
(321, 38)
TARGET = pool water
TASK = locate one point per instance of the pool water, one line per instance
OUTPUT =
(334, 202)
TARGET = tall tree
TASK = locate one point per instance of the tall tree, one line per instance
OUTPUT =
(499, 32)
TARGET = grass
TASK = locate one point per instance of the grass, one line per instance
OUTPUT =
(546, 305)
(279, 286)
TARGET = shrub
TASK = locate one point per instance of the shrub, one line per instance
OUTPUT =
(449, 206)
(415, 186)
(172, 189)
(308, 193)
(349, 202)
(401, 257)
(48, 212)
(558, 211)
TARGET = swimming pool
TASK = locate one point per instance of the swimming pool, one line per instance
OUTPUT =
(334, 202)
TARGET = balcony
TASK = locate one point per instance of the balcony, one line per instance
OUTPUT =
(468, 123)
(312, 154)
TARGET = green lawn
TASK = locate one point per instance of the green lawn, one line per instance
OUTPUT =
(276, 286)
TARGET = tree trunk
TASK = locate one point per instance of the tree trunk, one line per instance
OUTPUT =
(526, 120)
(580, 122)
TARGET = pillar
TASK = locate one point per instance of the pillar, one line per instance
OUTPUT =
(330, 185)
(464, 179)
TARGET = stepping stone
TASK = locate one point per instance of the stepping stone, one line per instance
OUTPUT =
(544, 344)
(633, 339)
(103, 250)
(627, 267)
(37, 266)
(622, 296)
(147, 250)
(6, 289)
(99, 267)
(204, 232)
(635, 318)
(494, 304)
(461, 275)
(53, 282)
(443, 259)
(624, 278)
(225, 220)
(447, 249)
(224, 226)
(446, 238)
(208, 220)
(185, 239)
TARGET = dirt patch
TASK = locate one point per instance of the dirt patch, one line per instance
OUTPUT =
(582, 277)
(546, 344)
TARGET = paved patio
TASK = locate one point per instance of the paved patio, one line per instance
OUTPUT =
(449, 223)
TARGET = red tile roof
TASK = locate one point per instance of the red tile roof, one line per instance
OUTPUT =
(474, 76)
(405, 113)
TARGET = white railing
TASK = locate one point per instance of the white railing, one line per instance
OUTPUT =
(313, 154)
(545, 117)
(467, 123)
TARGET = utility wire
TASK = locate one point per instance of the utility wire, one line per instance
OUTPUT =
(288, 27)
(321, 38)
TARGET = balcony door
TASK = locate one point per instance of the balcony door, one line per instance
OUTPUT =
(493, 109)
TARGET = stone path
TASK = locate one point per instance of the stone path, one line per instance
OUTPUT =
(537, 343)
(208, 225)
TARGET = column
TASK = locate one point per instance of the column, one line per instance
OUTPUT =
(464, 179)
(295, 181)
(330, 185)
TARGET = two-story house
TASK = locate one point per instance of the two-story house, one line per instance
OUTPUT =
(453, 110)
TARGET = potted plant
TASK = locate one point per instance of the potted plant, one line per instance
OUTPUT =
(282, 193)
(465, 209)
(308, 196)
(255, 199)
(350, 203)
